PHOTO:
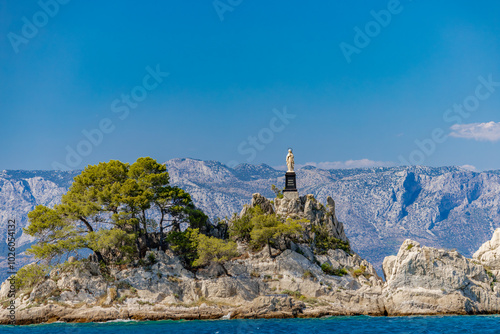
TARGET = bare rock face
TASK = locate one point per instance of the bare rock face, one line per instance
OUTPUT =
(424, 280)
(259, 200)
(489, 253)
(270, 307)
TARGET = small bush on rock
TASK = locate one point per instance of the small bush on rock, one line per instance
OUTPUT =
(211, 249)
(323, 241)
(329, 270)
(28, 276)
(360, 271)
(308, 274)
(294, 294)
(151, 258)
(197, 249)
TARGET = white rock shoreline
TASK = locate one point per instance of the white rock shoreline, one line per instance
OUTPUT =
(278, 283)
(420, 281)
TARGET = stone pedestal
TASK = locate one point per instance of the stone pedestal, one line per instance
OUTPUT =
(291, 195)
(290, 191)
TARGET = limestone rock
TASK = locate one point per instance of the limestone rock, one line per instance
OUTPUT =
(420, 280)
(388, 266)
(270, 307)
(424, 280)
(318, 215)
(258, 199)
(489, 253)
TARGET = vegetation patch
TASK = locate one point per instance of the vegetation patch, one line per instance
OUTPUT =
(294, 294)
(329, 270)
(323, 241)
(255, 274)
(278, 192)
(28, 276)
(260, 229)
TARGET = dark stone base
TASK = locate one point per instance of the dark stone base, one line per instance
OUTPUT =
(290, 182)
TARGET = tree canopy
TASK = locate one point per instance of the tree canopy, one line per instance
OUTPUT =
(114, 209)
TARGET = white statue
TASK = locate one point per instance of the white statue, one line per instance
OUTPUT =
(290, 164)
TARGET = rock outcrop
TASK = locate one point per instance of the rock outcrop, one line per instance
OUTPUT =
(256, 285)
(311, 209)
(294, 283)
(425, 280)
(304, 207)
(489, 254)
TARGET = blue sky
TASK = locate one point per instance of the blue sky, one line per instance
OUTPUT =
(235, 68)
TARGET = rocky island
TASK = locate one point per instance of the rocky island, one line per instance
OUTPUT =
(281, 258)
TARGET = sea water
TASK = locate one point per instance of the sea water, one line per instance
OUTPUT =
(341, 325)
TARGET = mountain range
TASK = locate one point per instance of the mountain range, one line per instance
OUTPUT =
(446, 207)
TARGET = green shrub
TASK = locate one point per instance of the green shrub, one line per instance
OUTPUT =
(329, 270)
(121, 299)
(242, 226)
(184, 244)
(410, 246)
(212, 249)
(360, 271)
(197, 249)
(270, 228)
(151, 258)
(294, 294)
(123, 285)
(28, 276)
(323, 241)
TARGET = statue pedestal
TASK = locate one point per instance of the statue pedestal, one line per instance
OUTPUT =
(291, 195)
(290, 191)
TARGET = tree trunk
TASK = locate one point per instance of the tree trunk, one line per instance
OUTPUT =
(145, 226)
(98, 254)
(137, 244)
(161, 231)
(176, 226)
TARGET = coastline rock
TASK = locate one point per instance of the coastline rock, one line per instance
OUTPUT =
(425, 280)
(288, 285)
(293, 282)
